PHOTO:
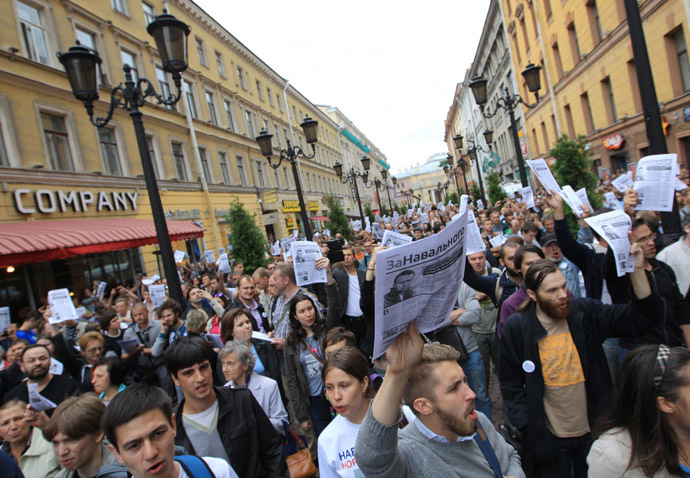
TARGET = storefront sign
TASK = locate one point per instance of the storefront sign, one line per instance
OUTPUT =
(47, 202)
(221, 213)
(270, 197)
(271, 218)
(615, 141)
(291, 205)
(183, 214)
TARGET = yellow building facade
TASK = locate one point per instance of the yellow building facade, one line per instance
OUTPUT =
(55, 165)
(589, 82)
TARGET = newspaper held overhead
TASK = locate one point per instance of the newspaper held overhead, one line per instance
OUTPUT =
(157, 293)
(224, 264)
(480, 204)
(572, 199)
(613, 227)
(61, 306)
(463, 203)
(378, 231)
(210, 256)
(582, 194)
(275, 249)
(611, 201)
(101, 289)
(655, 182)
(179, 256)
(304, 257)
(393, 239)
(419, 283)
(4, 318)
(527, 196)
(286, 243)
(622, 183)
(474, 236)
(544, 175)
(151, 280)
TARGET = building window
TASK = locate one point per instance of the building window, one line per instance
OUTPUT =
(210, 100)
(270, 97)
(57, 141)
(280, 105)
(111, 159)
(265, 125)
(224, 170)
(682, 56)
(609, 100)
(259, 90)
(201, 51)
(119, 6)
(88, 40)
(149, 12)
(574, 44)
(276, 131)
(33, 33)
(204, 165)
(276, 177)
(131, 60)
(547, 8)
(240, 76)
(164, 86)
(287, 178)
(309, 182)
(285, 135)
(250, 124)
(152, 155)
(634, 86)
(240, 171)
(191, 103)
(594, 22)
(557, 60)
(545, 135)
(587, 112)
(228, 114)
(220, 64)
(178, 159)
(260, 175)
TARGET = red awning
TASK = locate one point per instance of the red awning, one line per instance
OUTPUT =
(319, 218)
(39, 241)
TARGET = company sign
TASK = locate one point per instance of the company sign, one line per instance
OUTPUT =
(46, 201)
(292, 205)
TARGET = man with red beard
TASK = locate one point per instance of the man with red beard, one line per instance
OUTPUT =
(552, 368)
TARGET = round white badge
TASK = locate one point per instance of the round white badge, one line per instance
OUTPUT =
(528, 366)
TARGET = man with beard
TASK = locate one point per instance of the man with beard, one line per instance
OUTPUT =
(449, 437)
(35, 363)
(552, 368)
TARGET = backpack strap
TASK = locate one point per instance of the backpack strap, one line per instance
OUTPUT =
(488, 451)
(195, 466)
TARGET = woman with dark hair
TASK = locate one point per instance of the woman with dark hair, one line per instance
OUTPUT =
(108, 378)
(304, 359)
(346, 376)
(236, 325)
(645, 432)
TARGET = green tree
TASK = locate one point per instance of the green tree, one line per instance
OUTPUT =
(339, 223)
(368, 212)
(573, 167)
(496, 192)
(475, 192)
(454, 197)
(246, 239)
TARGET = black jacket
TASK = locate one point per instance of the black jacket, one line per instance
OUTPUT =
(342, 278)
(673, 310)
(590, 262)
(266, 324)
(590, 323)
(254, 448)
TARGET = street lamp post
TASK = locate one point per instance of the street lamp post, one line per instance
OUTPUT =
(351, 177)
(170, 35)
(472, 153)
(377, 184)
(310, 128)
(509, 102)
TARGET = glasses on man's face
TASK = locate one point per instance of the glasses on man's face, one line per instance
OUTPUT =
(646, 239)
(93, 350)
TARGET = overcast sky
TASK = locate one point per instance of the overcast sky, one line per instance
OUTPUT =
(390, 67)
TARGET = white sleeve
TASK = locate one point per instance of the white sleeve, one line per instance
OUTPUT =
(325, 469)
(220, 468)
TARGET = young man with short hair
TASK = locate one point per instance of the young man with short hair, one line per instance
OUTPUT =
(444, 439)
(140, 428)
(224, 422)
(171, 325)
(74, 430)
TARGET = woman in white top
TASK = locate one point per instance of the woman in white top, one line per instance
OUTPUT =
(346, 378)
(646, 430)
(238, 367)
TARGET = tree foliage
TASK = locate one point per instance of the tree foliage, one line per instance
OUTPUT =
(339, 222)
(496, 192)
(368, 212)
(573, 167)
(247, 240)
(453, 197)
(475, 192)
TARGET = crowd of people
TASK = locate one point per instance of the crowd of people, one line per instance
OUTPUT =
(247, 367)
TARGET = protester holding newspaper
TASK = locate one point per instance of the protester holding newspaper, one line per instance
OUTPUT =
(553, 372)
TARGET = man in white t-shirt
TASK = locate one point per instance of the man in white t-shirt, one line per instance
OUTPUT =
(349, 280)
(140, 426)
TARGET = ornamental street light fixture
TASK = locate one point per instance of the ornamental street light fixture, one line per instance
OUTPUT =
(310, 129)
(450, 170)
(508, 102)
(377, 184)
(170, 35)
(351, 177)
(472, 149)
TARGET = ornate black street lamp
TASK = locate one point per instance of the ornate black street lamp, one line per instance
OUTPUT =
(508, 102)
(170, 35)
(310, 129)
(351, 177)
